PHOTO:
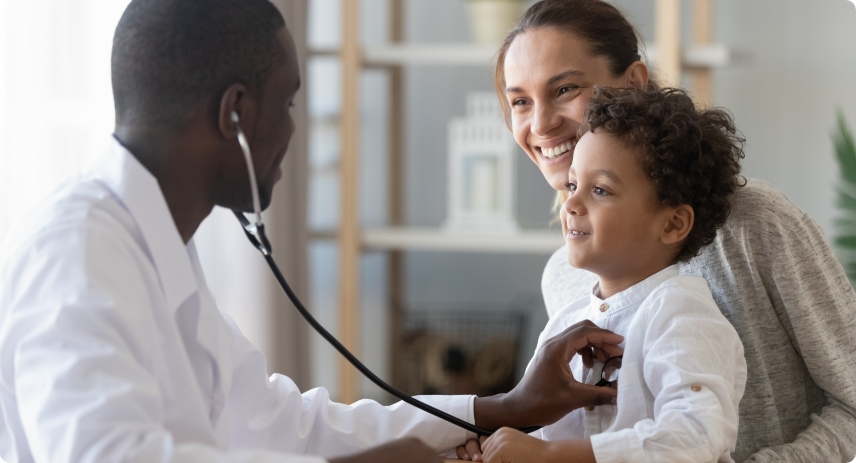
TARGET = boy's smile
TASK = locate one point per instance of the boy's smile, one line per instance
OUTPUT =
(612, 221)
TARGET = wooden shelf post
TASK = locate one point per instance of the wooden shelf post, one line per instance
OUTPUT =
(667, 36)
(395, 192)
(702, 79)
(349, 228)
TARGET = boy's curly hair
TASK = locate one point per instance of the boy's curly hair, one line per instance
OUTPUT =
(692, 156)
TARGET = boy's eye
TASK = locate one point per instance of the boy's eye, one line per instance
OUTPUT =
(600, 191)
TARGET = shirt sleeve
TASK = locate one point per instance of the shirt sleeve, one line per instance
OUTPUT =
(816, 305)
(77, 355)
(694, 368)
(270, 412)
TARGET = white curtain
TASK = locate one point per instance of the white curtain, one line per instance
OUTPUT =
(56, 104)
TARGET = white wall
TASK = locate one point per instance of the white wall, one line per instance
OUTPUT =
(796, 66)
(801, 68)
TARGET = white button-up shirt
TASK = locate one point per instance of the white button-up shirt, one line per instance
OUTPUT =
(681, 380)
(112, 348)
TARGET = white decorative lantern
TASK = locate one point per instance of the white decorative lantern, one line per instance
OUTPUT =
(481, 169)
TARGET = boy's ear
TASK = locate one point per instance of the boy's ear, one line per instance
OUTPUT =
(679, 222)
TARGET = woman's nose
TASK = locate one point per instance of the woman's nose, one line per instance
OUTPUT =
(545, 120)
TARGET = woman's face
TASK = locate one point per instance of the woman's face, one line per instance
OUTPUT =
(549, 78)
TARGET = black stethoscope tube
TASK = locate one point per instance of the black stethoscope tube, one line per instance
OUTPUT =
(256, 235)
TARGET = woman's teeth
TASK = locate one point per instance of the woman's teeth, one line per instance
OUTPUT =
(578, 233)
(556, 151)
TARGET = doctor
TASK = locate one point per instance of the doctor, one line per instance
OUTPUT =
(111, 346)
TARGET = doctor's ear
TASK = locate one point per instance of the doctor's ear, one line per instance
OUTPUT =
(235, 107)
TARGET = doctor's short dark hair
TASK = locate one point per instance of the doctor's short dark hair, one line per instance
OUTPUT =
(692, 156)
(171, 55)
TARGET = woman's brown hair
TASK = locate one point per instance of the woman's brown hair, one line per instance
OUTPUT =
(601, 25)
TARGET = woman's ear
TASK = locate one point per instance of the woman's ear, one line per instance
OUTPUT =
(636, 75)
(679, 222)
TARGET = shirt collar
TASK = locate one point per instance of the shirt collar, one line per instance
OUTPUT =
(139, 192)
(637, 292)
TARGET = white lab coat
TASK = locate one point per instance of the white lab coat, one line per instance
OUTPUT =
(113, 349)
(681, 380)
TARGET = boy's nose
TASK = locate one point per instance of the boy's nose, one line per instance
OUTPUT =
(573, 206)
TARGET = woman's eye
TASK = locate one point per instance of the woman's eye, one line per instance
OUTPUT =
(572, 187)
(566, 89)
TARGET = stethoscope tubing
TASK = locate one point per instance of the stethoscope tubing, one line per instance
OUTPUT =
(256, 234)
(260, 241)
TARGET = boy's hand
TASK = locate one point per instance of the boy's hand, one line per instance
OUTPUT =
(471, 451)
(512, 446)
(549, 390)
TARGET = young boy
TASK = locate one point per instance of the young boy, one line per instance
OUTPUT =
(649, 186)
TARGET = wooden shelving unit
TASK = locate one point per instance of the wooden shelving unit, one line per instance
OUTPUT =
(666, 54)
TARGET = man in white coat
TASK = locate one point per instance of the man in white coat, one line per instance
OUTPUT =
(111, 346)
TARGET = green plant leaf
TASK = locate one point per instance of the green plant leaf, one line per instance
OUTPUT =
(845, 224)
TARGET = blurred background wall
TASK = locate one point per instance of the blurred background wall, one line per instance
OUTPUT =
(796, 66)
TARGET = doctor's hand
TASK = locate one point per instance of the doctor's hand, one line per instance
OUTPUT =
(548, 390)
(411, 450)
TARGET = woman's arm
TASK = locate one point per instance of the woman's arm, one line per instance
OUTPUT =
(816, 306)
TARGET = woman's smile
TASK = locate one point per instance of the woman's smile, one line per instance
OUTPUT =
(554, 151)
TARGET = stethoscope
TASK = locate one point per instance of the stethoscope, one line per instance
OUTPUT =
(255, 232)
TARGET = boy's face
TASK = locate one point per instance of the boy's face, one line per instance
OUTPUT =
(612, 220)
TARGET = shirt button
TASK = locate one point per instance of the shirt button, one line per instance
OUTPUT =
(604, 307)
(590, 409)
(695, 387)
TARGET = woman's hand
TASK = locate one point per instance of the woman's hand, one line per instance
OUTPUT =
(549, 390)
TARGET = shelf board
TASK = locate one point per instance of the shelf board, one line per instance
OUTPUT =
(697, 56)
(416, 54)
(467, 54)
(435, 239)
